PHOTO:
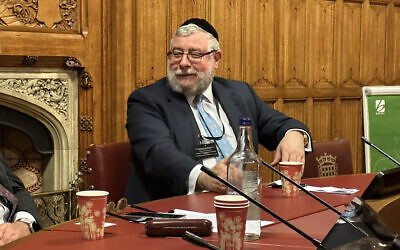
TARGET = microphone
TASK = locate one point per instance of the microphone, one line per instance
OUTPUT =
(380, 150)
(314, 196)
(261, 206)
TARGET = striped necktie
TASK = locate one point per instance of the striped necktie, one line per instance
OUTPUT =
(213, 129)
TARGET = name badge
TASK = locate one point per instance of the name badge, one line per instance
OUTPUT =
(206, 150)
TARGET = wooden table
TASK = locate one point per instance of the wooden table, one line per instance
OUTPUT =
(304, 212)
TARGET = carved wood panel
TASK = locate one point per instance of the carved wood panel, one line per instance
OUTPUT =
(308, 58)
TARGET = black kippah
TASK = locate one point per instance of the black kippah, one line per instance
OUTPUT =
(202, 23)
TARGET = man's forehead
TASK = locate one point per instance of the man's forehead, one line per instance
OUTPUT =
(198, 41)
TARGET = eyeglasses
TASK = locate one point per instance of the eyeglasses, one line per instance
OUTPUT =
(194, 57)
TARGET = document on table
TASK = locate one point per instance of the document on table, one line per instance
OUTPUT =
(330, 189)
(209, 216)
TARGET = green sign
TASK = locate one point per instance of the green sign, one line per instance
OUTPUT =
(383, 130)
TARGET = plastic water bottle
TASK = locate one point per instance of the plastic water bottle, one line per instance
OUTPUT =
(244, 173)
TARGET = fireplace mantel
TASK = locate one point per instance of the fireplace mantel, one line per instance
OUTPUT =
(50, 95)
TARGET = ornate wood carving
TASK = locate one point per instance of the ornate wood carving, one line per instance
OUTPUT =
(22, 13)
(83, 167)
(72, 62)
(86, 123)
(86, 80)
(69, 14)
(29, 60)
(27, 13)
(56, 207)
(264, 82)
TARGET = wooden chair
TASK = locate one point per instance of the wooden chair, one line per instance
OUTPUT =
(329, 158)
(108, 165)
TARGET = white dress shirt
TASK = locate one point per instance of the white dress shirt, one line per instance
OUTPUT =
(209, 107)
(4, 211)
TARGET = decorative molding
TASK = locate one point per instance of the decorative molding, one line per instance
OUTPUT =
(294, 82)
(264, 82)
(86, 123)
(53, 92)
(395, 82)
(17, 12)
(72, 62)
(375, 81)
(86, 80)
(56, 207)
(29, 60)
(27, 13)
(69, 14)
(350, 82)
(83, 167)
(323, 82)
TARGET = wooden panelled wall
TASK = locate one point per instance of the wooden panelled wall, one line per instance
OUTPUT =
(307, 58)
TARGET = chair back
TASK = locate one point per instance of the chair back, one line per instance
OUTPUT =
(109, 165)
(329, 158)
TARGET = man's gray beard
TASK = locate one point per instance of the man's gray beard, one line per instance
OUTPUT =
(202, 81)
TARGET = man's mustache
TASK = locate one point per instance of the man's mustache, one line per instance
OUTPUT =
(187, 72)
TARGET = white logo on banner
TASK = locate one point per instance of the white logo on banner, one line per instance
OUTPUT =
(380, 107)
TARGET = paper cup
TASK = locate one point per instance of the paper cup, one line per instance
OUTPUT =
(293, 170)
(231, 212)
(92, 213)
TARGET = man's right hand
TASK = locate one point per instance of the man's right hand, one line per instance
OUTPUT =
(205, 182)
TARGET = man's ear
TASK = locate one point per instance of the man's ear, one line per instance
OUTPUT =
(217, 58)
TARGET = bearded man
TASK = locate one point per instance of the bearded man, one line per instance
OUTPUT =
(170, 136)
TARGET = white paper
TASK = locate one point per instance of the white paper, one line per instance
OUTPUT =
(330, 189)
(211, 216)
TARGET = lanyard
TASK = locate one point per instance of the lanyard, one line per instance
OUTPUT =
(212, 137)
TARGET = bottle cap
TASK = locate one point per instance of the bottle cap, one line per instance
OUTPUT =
(245, 121)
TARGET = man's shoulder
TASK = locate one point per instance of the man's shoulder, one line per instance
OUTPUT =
(228, 82)
(161, 83)
(156, 87)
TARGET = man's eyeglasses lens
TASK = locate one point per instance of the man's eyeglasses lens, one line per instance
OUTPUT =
(194, 57)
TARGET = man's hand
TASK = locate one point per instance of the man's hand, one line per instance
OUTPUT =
(205, 182)
(13, 231)
(291, 148)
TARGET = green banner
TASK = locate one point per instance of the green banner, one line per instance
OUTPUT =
(384, 130)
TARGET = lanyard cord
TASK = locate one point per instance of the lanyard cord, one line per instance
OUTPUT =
(208, 129)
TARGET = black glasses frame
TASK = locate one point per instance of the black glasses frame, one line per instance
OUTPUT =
(171, 55)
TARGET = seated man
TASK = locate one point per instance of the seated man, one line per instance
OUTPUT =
(166, 127)
(18, 213)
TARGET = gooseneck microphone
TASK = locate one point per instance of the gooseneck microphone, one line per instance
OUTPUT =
(314, 196)
(258, 204)
(380, 150)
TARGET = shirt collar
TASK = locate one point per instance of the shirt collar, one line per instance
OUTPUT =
(208, 94)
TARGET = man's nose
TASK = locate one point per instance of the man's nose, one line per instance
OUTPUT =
(185, 62)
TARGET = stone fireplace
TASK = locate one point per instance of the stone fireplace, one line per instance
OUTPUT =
(39, 126)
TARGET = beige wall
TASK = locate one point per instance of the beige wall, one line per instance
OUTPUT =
(307, 58)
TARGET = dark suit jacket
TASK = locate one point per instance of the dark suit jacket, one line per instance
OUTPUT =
(163, 132)
(13, 184)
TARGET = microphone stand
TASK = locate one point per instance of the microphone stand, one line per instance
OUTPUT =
(314, 196)
(380, 150)
(258, 204)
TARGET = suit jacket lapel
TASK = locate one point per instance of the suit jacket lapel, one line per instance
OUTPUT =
(183, 121)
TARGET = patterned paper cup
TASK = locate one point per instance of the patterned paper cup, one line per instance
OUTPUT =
(92, 213)
(231, 212)
(293, 170)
